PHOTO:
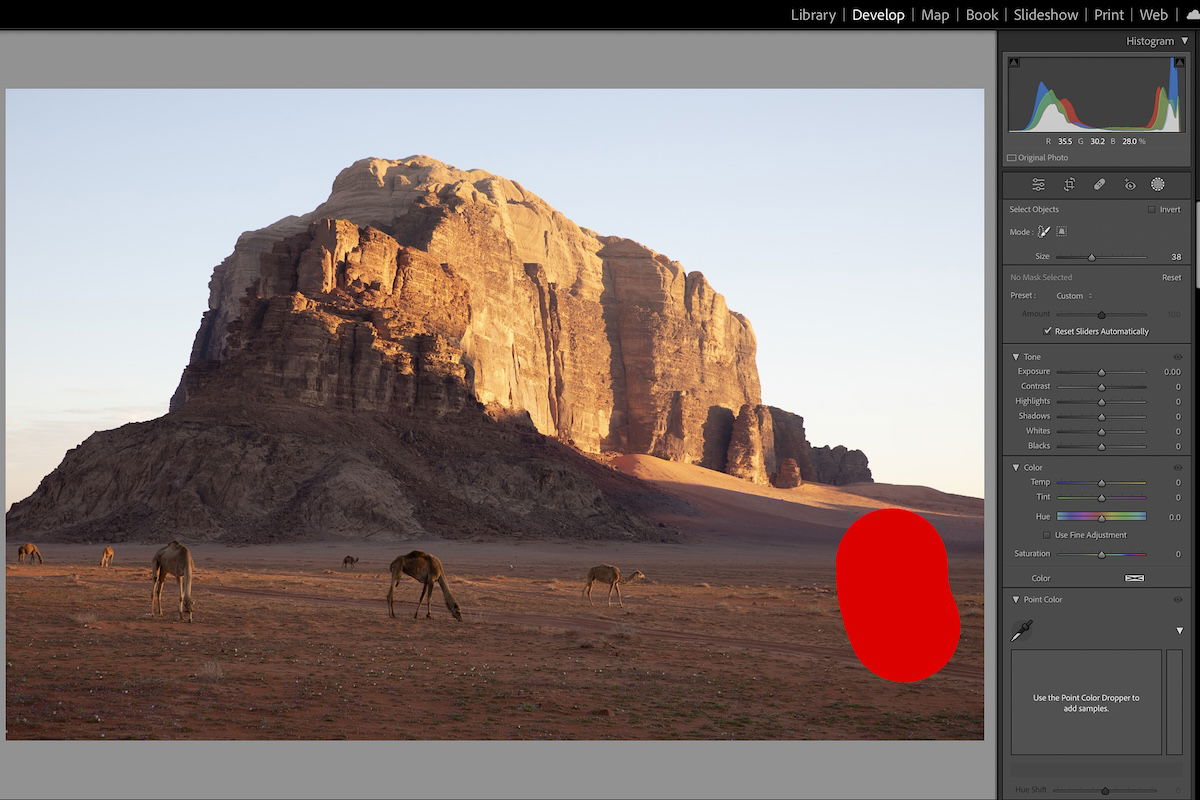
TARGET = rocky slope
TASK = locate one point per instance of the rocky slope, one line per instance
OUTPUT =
(253, 473)
(422, 298)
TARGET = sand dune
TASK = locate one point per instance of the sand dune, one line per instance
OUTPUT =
(811, 513)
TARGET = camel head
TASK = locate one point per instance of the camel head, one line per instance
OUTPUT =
(456, 611)
(637, 573)
(189, 605)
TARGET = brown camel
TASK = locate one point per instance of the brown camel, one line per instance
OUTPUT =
(106, 557)
(29, 551)
(348, 562)
(607, 573)
(426, 569)
(174, 559)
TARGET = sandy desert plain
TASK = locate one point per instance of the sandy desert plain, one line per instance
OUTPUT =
(736, 634)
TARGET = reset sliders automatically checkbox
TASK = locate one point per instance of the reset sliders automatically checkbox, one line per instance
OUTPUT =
(1046, 331)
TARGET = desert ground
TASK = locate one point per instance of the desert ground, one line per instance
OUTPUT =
(734, 635)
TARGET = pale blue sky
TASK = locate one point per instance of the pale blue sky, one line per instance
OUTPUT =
(846, 224)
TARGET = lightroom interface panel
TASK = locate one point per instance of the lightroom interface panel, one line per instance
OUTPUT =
(982, 324)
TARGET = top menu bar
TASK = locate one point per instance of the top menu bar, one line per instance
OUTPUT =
(790, 16)
(971, 16)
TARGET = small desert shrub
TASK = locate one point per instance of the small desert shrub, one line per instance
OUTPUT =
(210, 671)
(623, 633)
(85, 619)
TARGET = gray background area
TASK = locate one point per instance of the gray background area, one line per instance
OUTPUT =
(481, 59)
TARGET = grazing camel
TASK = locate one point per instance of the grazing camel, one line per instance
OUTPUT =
(348, 562)
(29, 551)
(426, 569)
(607, 573)
(106, 557)
(174, 559)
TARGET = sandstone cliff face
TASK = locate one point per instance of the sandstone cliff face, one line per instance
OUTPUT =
(427, 353)
(792, 442)
(605, 343)
(344, 317)
(840, 466)
(752, 445)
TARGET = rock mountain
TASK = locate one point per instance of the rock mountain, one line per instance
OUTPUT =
(433, 351)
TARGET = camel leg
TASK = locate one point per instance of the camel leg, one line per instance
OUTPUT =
(156, 596)
(620, 602)
(610, 591)
(424, 589)
(179, 580)
(587, 591)
(391, 598)
(185, 593)
(429, 600)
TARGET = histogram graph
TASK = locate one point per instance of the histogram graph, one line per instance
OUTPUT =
(1127, 95)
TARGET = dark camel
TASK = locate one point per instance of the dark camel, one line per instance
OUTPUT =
(426, 569)
(29, 551)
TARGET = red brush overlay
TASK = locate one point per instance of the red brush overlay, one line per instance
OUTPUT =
(894, 592)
